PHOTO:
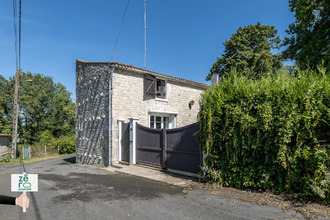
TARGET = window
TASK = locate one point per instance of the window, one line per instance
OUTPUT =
(161, 89)
(160, 121)
(154, 88)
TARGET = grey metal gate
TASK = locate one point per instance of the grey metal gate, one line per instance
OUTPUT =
(148, 145)
(125, 142)
(176, 149)
(182, 149)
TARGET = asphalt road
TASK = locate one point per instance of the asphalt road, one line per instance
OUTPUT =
(71, 191)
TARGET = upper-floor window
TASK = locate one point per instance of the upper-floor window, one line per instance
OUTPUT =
(154, 88)
(161, 89)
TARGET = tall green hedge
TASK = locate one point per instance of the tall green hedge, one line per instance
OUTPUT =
(264, 134)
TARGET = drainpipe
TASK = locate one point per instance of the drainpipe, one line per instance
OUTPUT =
(110, 115)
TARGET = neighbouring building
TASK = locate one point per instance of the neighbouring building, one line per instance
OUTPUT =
(4, 143)
(110, 92)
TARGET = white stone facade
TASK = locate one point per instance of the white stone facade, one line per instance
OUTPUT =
(128, 102)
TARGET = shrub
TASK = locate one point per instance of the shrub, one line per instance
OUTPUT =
(5, 159)
(66, 144)
(264, 134)
(47, 138)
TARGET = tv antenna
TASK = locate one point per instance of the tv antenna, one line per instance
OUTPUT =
(145, 34)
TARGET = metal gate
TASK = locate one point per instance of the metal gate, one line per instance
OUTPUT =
(149, 145)
(176, 149)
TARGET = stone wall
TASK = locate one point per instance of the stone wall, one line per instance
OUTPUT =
(92, 113)
(128, 102)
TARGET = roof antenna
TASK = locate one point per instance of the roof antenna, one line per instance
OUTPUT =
(145, 34)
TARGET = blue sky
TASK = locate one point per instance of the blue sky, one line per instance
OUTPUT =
(184, 37)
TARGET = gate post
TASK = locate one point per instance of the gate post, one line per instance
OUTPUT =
(120, 136)
(164, 147)
(132, 140)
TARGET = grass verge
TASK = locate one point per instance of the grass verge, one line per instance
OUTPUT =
(34, 159)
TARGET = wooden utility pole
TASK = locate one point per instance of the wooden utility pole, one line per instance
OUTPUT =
(15, 118)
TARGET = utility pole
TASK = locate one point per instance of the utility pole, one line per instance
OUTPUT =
(15, 118)
(18, 69)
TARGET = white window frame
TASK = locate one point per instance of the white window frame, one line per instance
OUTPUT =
(171, 115)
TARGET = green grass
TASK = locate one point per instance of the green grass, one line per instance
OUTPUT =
(33, 160)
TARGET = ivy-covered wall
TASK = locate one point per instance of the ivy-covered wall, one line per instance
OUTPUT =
(264, 134)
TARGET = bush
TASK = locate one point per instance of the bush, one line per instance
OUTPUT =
(5, 159)
(66, 144)
(47, 138)
(264, 134)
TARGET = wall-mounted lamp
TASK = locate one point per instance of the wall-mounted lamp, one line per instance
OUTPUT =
(191, 103)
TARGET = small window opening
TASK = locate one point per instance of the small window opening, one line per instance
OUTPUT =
(161, 89)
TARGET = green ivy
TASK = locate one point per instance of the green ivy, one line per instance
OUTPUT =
(264, 134)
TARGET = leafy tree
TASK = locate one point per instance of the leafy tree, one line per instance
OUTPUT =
(45, 108)
(35, 100)
(309, 44)
(249, 52)
(62, 112)
(5, 109)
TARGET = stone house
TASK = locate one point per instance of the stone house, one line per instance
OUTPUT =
(108, 93)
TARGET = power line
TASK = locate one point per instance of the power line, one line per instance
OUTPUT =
(121, 25)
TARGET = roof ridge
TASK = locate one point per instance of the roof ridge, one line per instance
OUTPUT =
(128, 66)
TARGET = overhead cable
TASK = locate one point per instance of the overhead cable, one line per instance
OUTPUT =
(121, 25)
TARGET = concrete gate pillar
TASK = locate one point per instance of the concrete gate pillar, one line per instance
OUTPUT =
(132, 140)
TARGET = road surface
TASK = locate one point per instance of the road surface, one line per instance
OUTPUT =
(71, 191)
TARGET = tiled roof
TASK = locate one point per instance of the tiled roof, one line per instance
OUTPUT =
(141, 70)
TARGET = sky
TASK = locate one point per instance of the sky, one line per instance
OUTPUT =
(184, 37)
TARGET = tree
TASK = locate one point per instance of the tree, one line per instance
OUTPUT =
(309, 43)
(34, 102)
(5, 107)
(62, 112)
(249, 51)
(43, 106)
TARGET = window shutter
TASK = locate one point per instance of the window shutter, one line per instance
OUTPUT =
(149, 85)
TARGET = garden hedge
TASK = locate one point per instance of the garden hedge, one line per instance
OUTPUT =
(265, 134)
